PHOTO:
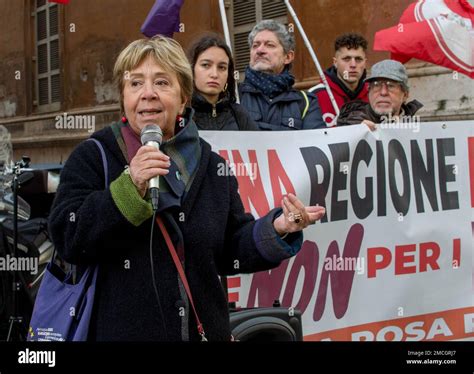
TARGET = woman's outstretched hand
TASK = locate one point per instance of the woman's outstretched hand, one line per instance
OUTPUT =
(296, 216)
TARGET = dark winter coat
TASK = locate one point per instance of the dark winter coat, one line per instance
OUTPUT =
(283, 112)
(219, 238)
(355, 112)
(221, 116)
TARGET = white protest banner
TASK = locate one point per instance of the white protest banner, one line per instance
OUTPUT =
(392, 258)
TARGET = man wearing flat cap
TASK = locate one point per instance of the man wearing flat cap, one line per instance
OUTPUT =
(388, 93)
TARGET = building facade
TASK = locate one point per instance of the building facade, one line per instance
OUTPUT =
(56, 61)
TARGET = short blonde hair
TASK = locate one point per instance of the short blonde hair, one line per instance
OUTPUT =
(167, 53)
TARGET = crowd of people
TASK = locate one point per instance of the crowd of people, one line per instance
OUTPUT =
(140, 292)
(268, 100)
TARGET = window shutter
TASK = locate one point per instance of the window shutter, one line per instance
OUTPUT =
(272, 9)
(55, 88)
(241, 50)
(53, 20)
(54, 54)
(48, 56)
(41, 29)
(244, 13)
(43, 88)
(43, 58)
(244, 16)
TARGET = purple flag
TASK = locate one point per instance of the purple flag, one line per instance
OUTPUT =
(163, 18)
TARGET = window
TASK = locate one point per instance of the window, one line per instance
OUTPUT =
(244, 16)
(47, 56)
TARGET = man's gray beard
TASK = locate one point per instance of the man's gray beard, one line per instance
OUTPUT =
(263, 70)
(383, 113)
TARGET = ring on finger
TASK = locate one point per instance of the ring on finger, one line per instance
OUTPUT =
(298, 217)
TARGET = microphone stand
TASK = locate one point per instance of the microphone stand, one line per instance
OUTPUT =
(15, 318)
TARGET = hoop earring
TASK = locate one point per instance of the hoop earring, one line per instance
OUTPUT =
(225, 88)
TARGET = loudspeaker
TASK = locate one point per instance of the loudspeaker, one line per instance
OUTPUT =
(33, 245)
(266, 325)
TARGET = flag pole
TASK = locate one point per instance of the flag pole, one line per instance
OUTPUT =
(313, 55)
(225, 26)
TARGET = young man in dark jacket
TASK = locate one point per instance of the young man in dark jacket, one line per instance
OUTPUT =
(346, 76)
(267, 92)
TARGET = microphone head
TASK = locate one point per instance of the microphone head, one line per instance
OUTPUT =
(151, 133)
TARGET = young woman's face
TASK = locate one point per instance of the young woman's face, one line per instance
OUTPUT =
(211, 72)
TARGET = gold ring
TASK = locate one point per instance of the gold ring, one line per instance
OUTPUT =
(298, 217)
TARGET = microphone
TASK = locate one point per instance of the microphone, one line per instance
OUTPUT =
(152, 135)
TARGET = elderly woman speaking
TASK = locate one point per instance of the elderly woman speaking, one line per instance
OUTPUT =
(140, 293)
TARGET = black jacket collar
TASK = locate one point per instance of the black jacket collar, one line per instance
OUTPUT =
(332, 74)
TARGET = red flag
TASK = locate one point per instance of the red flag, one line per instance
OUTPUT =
(436, 31)
(59, 1)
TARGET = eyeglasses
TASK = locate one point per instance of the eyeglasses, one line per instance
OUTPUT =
(376, 86)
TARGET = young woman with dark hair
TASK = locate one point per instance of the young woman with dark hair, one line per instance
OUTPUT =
(214, 99)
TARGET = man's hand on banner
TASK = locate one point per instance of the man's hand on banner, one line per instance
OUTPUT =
(371, 125)
(296, 216)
